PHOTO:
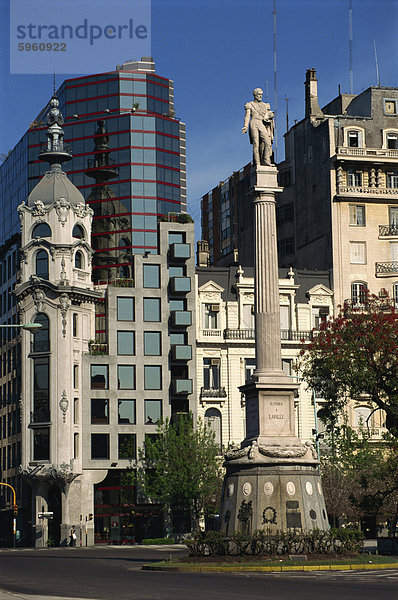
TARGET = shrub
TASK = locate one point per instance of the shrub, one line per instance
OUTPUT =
(265, 542)
(157, 541)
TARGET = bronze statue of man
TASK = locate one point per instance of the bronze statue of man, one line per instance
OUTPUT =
(261, 128)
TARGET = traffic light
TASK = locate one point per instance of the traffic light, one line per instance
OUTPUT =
(15, 509)
(90, 516)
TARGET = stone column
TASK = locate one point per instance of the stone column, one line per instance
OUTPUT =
(272, 481)
(266, 279)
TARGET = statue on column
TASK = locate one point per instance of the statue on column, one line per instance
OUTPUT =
(259, 119)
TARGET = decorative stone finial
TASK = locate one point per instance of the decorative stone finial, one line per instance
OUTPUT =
(55, 151)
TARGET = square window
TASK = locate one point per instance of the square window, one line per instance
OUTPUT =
(100, 446)
(126, 343)
(152, 343)
(41, 444)
(354, 178)
(176, 238)
(390, 107)
(210, 316)
(177, 338)
(358, 253)
(152, 377)
(99, 411)
(126, 412)
(153, 412)
(99, 377)
(126, 377)
(151, 276)
(392, 141)
(357, 215)
(127, 446)
(151, 309)
(125, 309)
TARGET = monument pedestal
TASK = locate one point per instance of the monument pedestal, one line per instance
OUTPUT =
(272, 481)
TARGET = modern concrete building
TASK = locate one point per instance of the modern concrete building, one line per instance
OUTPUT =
(226, 342)
(113, 356)
(339, 206)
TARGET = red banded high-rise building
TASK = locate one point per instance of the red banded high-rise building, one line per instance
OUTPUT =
(128, 160)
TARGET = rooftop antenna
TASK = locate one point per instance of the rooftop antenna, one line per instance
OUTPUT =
(377, 64)
(54, 83)
(350, 46)
(275, 94)
(287, 113)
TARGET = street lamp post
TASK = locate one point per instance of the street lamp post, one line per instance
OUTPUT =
(32, 327)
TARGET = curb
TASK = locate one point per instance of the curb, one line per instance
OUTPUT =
(229, 569)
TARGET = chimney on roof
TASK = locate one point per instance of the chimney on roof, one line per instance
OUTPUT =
(202, 254)
(312, 109)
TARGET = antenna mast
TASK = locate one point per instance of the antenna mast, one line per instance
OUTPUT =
(350, 47)
(377, 64)
(275, 94)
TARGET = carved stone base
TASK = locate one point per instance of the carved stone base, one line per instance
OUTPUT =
(263, 495)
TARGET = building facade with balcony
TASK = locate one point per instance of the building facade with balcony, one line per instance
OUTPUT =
(340, 198)
(225, 352)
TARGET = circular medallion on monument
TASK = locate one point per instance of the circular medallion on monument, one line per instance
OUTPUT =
(319, 488)
(290, 488)
(268, 488)
(230, 489)
(247, 488)
(308, 487)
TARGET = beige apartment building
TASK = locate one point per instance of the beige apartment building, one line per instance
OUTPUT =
(339, 207)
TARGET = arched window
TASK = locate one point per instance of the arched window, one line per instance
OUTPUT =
(41, 230)
(78, 232)
(42, 264)
(213, 421)
(358, 292)
(361, 416)
(79, 260)
(41, 337)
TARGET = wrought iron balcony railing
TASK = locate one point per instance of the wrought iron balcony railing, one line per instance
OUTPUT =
(388, 230)
(213, 393)
(387, 268)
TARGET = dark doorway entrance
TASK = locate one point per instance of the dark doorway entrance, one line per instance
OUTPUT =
(54, 524)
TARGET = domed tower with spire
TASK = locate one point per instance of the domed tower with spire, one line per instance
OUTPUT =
(56, 291)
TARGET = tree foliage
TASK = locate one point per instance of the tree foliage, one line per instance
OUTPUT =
(180, 467)
(359, 477)
(356, 354)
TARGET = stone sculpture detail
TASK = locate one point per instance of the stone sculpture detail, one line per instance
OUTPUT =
(259, 120)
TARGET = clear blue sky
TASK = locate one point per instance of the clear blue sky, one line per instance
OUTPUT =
(217, 51)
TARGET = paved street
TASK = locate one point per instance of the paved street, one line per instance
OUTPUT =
(115, 574)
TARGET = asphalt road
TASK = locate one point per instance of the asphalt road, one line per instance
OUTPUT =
(115, 574)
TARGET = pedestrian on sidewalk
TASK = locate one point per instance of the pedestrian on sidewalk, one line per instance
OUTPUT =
(72, 536)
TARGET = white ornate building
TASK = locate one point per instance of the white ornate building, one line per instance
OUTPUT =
(225, 350)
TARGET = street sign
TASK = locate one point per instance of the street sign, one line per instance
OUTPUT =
(45, 515)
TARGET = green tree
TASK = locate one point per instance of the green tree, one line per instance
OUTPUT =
(180, 468)
(359, 477)
(356, 354)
